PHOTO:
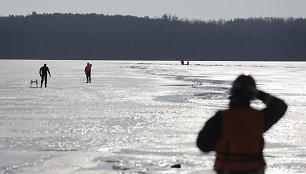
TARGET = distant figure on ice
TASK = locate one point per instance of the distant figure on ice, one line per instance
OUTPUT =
(182, 62)
(88, 72)
(43, 74)
(236, 133)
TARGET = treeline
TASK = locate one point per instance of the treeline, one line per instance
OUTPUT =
(93, 36)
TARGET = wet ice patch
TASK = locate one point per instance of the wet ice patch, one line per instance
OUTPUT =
(211, 95)
(192, 97)
(175, 98)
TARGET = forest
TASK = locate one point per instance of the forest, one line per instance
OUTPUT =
(117, 37)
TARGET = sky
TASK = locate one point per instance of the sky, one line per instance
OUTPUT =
(190, 9)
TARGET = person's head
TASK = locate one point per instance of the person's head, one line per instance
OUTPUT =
(88, 63)
(45, 65)
(244, 87)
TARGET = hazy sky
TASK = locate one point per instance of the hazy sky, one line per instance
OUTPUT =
(191, 9)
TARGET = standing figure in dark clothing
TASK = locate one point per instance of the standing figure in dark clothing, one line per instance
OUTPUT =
(236, 134)
(88, 72)
(43, 74)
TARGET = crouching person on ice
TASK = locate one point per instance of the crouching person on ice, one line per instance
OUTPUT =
(236, 133)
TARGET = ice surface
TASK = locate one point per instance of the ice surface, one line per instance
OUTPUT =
(136, 116)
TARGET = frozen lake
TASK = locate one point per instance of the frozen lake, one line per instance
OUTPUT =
(136, 116)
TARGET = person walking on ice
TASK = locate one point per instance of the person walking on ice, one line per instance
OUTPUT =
(88, 72)
(43, 74)
(236, 133)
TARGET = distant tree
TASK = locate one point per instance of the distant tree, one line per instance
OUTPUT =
(98, 36)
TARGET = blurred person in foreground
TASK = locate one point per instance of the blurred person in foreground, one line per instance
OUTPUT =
(43, 74)
(236, 133)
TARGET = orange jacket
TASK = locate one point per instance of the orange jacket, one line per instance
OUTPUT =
(241, 144)
(88, 68)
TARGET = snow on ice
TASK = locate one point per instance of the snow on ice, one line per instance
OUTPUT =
(136, 116)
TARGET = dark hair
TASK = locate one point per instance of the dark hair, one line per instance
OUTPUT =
(244, 85)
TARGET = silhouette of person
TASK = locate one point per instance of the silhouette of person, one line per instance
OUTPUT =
(43, 74)
(236, 133)
(88, 72)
